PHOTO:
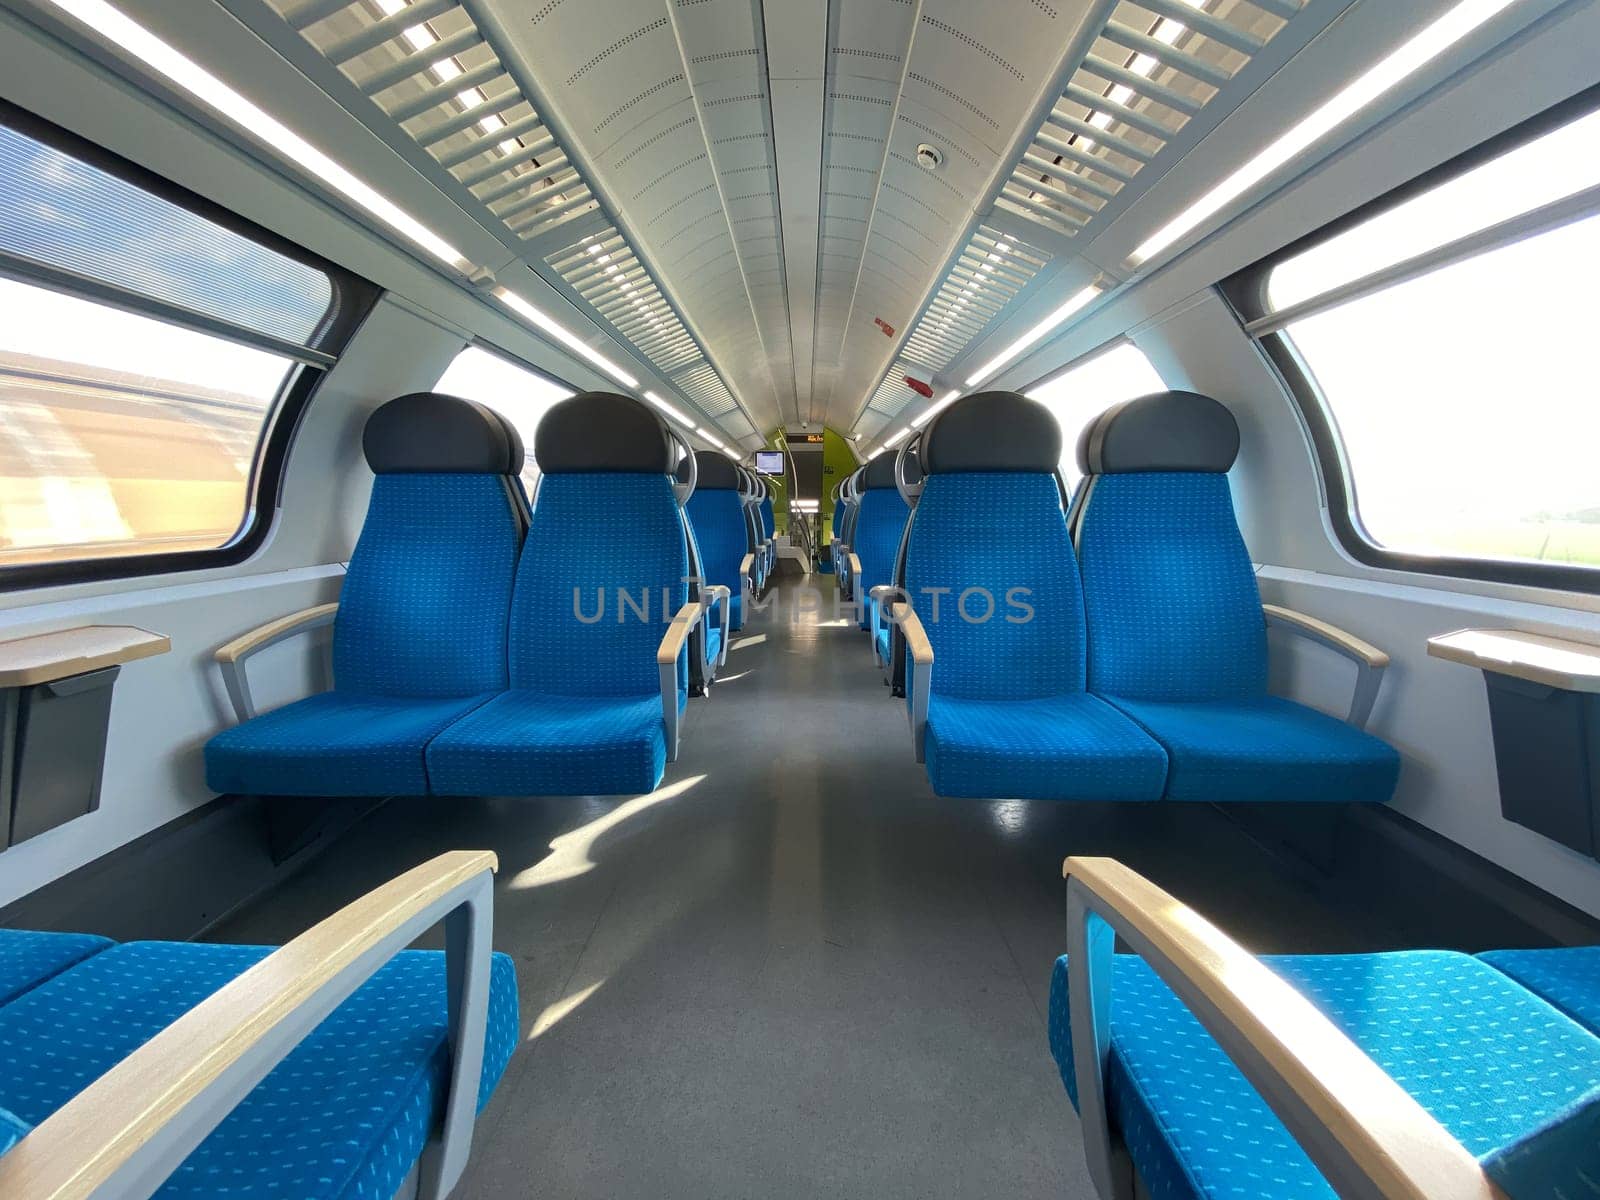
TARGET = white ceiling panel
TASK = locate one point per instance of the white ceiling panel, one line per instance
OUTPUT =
(737, 189)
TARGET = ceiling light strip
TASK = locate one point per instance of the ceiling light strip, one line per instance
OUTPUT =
(1074, 304)
(1377, 81)
(113, 25)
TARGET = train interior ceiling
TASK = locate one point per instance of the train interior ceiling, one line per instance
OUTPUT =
(799, 597)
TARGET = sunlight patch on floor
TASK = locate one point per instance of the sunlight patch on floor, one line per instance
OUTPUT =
(555, 1013)
(569, 854)
(755, 639)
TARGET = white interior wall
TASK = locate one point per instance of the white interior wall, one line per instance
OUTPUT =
(165, 708)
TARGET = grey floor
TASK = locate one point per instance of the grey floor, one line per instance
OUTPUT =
(792, 970)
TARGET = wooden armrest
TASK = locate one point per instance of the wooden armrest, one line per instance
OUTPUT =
(885, 591)
(46, 657)
(717, 591)
(746, 565)
(678, 632)
(855, 566)
(1366, 1134)
(1331, 636)
(916, 636)
(275, 630)
(83, 1149)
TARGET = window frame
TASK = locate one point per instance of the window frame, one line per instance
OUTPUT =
(1246, 294)
(351, 300)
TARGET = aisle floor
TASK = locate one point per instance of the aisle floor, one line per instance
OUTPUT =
(791, 970)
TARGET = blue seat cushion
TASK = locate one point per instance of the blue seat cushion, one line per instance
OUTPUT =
(714, 639)
(1488, 1059)
(1568, 977)
(334, 744)
(1068, 747)
(882, 638)
(28, 959)
(345, 1115)
(527, 744)
(1264, 748)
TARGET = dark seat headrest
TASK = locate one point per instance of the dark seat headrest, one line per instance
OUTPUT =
(428, 432)
(1165, 431)
(717, 472)
(992, 431)
(596, 432)
(879, 471)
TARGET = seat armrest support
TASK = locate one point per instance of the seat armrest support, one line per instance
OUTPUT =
(232, 656)
(1364, 1132)
(747, 582)
(128, 1131)
(1369, 660)
(884, 596)
(841, 567)
(715, 592)
(920, 651)
(691, 614)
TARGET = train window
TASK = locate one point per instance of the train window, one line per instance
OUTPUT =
(1439, 346)
(1090, 386)
(122, 434)
(520, 395)
(149, 345)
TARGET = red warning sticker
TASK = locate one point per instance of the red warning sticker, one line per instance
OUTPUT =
(888, 329)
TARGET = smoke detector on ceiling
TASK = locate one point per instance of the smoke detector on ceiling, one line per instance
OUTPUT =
(928, 157)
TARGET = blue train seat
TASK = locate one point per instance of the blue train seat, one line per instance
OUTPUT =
(1567, 976)
(1501, 1070)
(29, 958)
(851, 492)
(755, 543)
(591, 709)
(717, 514)
(880, 524)
(995, 629)
(769, 527)
(346, 1112)
(419, 635)
(1177, 632)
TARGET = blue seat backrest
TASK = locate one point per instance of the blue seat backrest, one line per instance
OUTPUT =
(879, 527)
(423, 608)
(1173, 608)
(606, 544)
(719, 520)
(980, 525)
(880, 522)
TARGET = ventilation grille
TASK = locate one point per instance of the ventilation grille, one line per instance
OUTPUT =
(988, 275)
(429, 69)
(605, 273)
(893, 394)
(702, 385)
(426, 65)
(1151, 69)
